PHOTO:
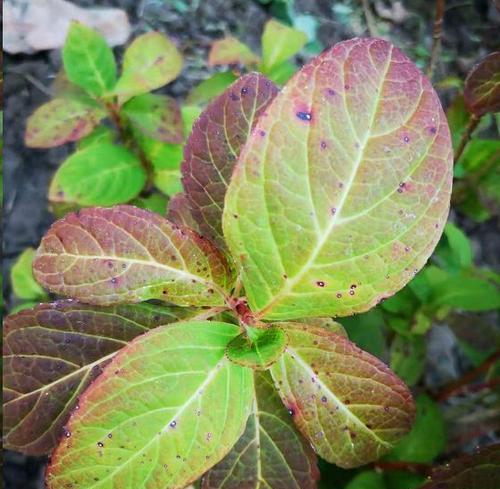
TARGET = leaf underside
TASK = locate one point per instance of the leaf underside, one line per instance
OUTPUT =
(346, 402)
(482, 86)
(166, 409)
(51, 355)
(343, 188)
(125, 254)
(214, 146)
(480, 470)
(270, 454)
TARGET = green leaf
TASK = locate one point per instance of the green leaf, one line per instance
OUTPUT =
(229, 51)
(257, 348)
(88, 60)
(62, 120)
(367, 480)
(466, 293)
(281, 73)
(167, 408)
(482, 86)
(427, 439)
(52, 353)
(315, 234)
(399, 479)
(279, 43)
(459, 246)
(214, 145)
(101, 174)
(479, 156)
(458, 118)
(168, 180)
(479, 470)
(408, 357)
(156, 116)
(346, 402)
(270, 453)
(24, 284)
(150, 62)
(101, 134)
(154, 202)
(125, 254)
(210, 88)
(367, 331)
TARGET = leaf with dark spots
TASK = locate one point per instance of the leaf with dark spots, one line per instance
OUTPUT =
(479, 470)
(482, 86)
(125, 254)
(62, 120)
(346, 180)
(52, 353)
(346, 402)
(270, 453)
(214, 146)
(175, 408)
(156, 116)
(179, 211)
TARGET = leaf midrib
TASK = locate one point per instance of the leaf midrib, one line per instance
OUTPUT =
(326, 234)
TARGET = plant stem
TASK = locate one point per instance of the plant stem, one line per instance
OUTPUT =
(437, 33)
(471, 126)
(370, 20)
(458, 385)
(416, 468)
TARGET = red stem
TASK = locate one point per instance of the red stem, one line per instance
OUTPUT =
(415, 468)
(437, 33)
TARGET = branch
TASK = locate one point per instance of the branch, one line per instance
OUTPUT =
(370, 19)
(436, 37)
(471, 126)
(453, 388)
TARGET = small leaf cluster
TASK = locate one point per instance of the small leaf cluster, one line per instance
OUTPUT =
(128, 139)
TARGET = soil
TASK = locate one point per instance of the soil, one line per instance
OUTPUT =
(469, 33)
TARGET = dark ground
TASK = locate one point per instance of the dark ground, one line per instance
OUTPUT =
(470, 31)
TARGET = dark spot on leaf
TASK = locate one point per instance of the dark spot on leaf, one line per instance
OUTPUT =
(244, 90)
(100, 444)
(406, 139)
(339, 295)
(319, 283)
(304, 116)
(433, 130)
(323, 145)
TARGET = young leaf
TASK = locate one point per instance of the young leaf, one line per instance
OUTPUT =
(157, 116)
(150, 62)
(21, 276)
(482, 86)
(314, 232)
(257, 348)
(214, 145)
(101, 174)
(280, 42)
(167, 408)
(88, 60)
(210, 88)
(62, 120)
(179, 211)
(270, 453)
(125, 254)
(427, 439)
(51, 355)
(479, 470)
(346, 402)
(367, 480)
(229, 51)
(168, 180)
(154, 202)
(460, 246)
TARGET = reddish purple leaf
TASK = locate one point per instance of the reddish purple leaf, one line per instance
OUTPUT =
(125, 254)
(51, 355)
(346, 402)
(214, 146)
(480, 470)
(482, 86)
(179, 211)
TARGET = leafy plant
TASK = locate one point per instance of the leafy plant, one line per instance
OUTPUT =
(320, 200)
(139, 146)
(279, 43)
